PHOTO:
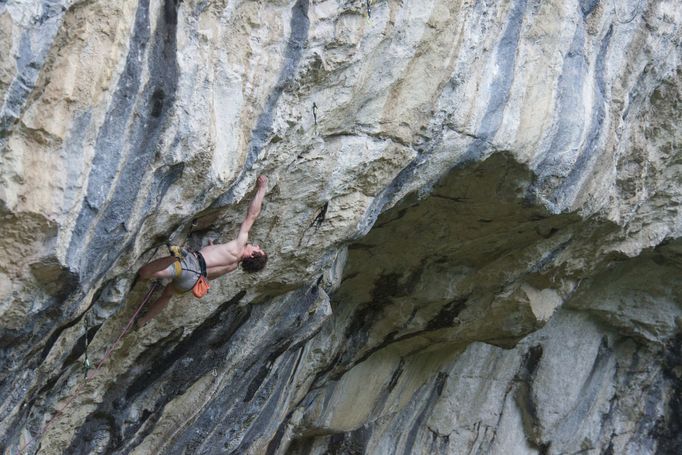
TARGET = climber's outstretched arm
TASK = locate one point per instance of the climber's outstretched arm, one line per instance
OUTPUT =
(253, 211)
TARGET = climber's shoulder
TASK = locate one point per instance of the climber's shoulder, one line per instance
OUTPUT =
(222, 254)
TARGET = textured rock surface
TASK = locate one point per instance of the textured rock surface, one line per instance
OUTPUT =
(475, 237)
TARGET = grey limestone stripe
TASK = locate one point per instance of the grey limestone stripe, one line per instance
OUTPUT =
(127, 145)
(492, 119)
(35, 43)
(299, 25)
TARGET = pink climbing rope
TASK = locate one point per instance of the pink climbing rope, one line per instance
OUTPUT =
(91, 373)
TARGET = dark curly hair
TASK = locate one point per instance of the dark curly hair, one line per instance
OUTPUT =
(255, 263)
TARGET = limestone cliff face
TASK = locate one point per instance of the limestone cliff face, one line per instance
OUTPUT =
(473, 221)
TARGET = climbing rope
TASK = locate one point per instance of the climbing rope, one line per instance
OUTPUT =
(146, 298)
(90, 373)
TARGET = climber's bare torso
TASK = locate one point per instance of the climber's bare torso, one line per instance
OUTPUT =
(225, 258)
(220, 258)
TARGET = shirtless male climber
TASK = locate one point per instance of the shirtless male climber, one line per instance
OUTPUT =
(220, 259)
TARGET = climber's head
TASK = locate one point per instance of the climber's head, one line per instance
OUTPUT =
(253, 258)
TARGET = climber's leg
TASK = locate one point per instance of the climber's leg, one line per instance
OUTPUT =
(156, 307)
(160, 268)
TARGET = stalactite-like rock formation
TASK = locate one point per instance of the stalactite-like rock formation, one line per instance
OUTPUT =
(474, 234)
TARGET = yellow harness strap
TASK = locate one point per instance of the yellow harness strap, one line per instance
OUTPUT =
(178, 268)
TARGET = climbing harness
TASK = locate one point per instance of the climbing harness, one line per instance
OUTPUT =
(176, 251)
(201, 286)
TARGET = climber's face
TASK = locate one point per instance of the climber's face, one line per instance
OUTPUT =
(251, 248)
